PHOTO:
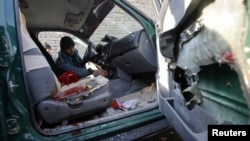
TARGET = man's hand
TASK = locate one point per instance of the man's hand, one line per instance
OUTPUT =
(101, 72)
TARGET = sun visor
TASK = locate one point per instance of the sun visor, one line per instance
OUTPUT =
(74, 21)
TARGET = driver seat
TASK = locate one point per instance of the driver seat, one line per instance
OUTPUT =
(44, 85)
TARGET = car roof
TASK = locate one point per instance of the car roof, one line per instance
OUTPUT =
(82, 16)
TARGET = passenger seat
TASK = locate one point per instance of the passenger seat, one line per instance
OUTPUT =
(43, 85)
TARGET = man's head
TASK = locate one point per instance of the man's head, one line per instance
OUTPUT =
(67, 45)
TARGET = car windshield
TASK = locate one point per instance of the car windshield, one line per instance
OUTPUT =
(118, 23)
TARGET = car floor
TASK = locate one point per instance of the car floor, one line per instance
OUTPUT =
(145, 98)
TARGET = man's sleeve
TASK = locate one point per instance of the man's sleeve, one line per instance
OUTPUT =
(81, 72)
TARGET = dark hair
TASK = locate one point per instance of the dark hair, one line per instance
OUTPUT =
(66, 42)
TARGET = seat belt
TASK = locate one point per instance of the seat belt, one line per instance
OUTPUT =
(46, 55)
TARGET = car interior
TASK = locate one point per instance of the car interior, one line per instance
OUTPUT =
(131, 60)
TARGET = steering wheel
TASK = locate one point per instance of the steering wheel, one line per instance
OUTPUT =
(87, 54)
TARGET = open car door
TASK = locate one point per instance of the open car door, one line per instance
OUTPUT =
(203, 58)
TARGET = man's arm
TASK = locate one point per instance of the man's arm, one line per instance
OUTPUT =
(81, 72)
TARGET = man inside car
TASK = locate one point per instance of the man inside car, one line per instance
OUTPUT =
(70, 61)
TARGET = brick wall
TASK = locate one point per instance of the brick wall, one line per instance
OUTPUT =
(53, 38)
(144, 5)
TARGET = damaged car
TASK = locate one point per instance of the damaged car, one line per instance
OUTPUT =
(203, 65)
(185, 69)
